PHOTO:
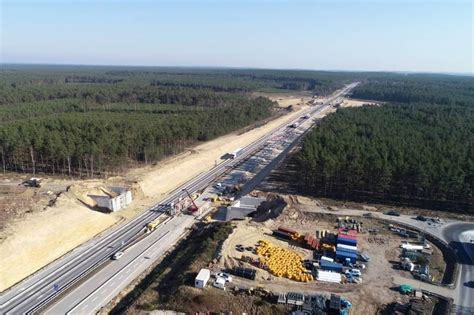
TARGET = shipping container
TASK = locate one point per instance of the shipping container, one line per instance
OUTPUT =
(347, 248)
(329, 265)
(328, 276)
(281, 234)
(286, 230)
(343, 231)
(247, 273)
(352, 237)
(343, 256)
(351, 255)
(347, 241)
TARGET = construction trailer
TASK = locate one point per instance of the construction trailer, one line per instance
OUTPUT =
(202, 278)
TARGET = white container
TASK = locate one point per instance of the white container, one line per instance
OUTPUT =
(219, 283)
(327, 258)
(347, 247)
(201, 279)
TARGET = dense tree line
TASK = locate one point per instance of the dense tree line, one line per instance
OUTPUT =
(89, 120)
(408, 152)
(432, 89)
(88, 144)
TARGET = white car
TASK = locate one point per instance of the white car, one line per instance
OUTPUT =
(225, 276)
(117, 255)
(354, 272)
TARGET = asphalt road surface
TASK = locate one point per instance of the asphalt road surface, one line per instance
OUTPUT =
(460, 236)
(87, 274)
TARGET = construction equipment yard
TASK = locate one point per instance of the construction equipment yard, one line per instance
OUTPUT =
(375, 289)
(294, 273)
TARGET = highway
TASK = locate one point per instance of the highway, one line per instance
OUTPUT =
(87, 276)
(460, 236)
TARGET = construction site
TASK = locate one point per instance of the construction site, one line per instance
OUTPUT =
(307, 262)
(294, 254)
(283, 250)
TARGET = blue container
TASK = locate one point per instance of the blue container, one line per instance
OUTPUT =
(342, 255)
(331, 266)
(347, 241)
(352, 251)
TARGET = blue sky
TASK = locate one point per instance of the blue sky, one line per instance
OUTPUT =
(431, 36)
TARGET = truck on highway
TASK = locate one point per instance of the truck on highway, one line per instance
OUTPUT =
(236, 153)
(151, 226)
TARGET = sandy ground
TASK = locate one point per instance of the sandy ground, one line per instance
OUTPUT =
(32, 240)
(287, 99)
(42, 239)
(292, 100)
(348, 102)
(367, 297)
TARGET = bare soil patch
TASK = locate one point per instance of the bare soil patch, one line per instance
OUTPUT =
(369, 297)
(37, 231)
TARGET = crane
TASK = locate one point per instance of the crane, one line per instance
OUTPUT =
(193, 208)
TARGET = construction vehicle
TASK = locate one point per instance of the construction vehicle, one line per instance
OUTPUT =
(151, 226)
(33, 182)
(325, 246)
(193, 207)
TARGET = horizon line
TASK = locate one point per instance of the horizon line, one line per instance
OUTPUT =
(237, 68)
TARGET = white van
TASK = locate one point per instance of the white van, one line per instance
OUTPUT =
(219, 283)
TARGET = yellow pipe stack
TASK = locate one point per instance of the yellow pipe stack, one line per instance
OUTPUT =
(282, 262)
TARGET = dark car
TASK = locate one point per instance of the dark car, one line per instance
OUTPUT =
(421, 218)
(393, 213)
